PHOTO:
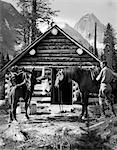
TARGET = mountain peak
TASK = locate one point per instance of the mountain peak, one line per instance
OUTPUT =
(76, 35)
(10, 22)
(86, 27)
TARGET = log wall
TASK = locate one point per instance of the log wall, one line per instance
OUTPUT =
(56, 50)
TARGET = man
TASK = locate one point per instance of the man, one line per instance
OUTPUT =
(105, 92)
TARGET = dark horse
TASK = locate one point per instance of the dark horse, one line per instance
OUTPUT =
(24, 91)
(86, 79)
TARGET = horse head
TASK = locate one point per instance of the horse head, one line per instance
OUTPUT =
(59, 77)
(94, 72)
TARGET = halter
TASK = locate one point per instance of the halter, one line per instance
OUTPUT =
(59, 77)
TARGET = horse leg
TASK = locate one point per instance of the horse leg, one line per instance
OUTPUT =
(14, 108)
(11, 107)
(84, 104)
(10, 115)
(26, 109)
(83, 108)
(27, 102)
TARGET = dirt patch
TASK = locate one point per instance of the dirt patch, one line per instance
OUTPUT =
(50, 129)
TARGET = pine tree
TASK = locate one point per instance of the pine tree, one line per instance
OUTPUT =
(109, 50)
(2, 79)
(34, 12)
(1, 60)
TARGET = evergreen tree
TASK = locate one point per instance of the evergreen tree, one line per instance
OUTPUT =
(2, 79)
(1, 60)
(109, 50)
(34, 12)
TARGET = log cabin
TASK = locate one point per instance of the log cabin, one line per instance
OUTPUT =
(53, 50)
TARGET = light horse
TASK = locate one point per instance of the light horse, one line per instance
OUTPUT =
(86, 79)
(24, 91)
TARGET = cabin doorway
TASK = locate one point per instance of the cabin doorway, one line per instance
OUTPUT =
(65, 95)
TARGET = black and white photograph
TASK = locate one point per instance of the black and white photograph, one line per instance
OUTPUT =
(58, 75)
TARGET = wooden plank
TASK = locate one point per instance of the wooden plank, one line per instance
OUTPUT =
(55, 51)
(54, 37)
(73, 55)
(58, 59)
(52, 64)
(57, 56)
(56, 43)
(42, 47)
(60, 39)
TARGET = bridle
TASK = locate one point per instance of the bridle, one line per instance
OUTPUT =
(59, 77)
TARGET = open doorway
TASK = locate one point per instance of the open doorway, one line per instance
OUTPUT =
(65, 95)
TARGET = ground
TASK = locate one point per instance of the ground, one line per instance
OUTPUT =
(50, 129)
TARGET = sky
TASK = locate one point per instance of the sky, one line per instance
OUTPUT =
(72, 10)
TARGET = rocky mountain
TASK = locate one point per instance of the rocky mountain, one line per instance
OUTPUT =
(10, 25)
(76, 35)
(86, 27)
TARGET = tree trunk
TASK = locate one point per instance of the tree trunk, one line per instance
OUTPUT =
(34, 29)
(2, 89)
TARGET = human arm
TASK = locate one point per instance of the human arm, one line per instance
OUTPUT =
(99, 76)
(114, 73)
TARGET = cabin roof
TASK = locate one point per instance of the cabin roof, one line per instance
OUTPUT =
(29, 47)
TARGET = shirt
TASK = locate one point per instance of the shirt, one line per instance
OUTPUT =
(106, 75)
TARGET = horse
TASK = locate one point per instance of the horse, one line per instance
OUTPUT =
(86, 79)
(24, 91)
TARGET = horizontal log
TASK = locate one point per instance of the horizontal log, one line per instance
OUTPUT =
(56, 54)
(56, 43)
(57, 58)
(52, 64)
(54, 37)
(42, 47)
(55, 51)
(72, 55)
(59, 39)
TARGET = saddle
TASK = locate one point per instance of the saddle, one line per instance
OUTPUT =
(17, 78)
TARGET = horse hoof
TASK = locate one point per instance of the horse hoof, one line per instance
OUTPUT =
(9, 123)
(27, 117)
